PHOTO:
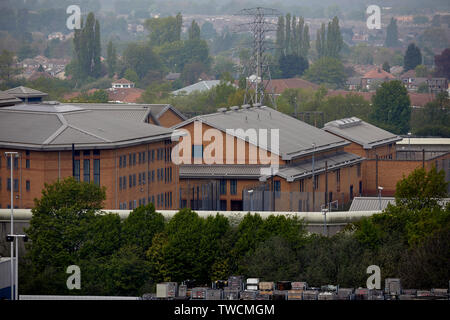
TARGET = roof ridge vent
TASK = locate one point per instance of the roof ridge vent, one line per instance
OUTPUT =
(234, 108)
(348, 122)
(50, 103)
(246, 106)
(257, 105)
(222, 110)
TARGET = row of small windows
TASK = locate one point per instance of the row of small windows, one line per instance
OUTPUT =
(15, 184)
(87, 170)
(163, 174)
(86, 153)
(163, 200)
(15, 163)
(223, 187)
(142, 157)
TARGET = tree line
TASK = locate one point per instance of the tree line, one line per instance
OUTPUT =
(408, 240)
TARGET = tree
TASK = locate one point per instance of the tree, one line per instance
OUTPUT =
(386, 67)
(392, 35)
(131, 75)
(433, 119)
(164, 30)
(421, 189)
(191, 72)
(442, 62)
(7, 66)
(421, 71)
(321, 41)
(412, 58)
(292, 65)
(207, 31)
(391, 107)
(334, 41)
(59, 227)
(194, 31)
(141, 58)
(140, 227)
(327, 70)
(111, 59)
(280, 37)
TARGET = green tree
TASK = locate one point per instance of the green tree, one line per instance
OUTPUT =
(421, 71)
(280, 36)
(140, 227)
(111, 59)
(7, 65)
(59, 229)
(194, 31)
(207, 31)
(412, 58)
(141, 58)
(391, 107)
(131, 75)
(164, 30)
(327, 70)
(292, 65)
(442, 62)
(386, 67)
(321, 41)
(392, 35)
(334, 41)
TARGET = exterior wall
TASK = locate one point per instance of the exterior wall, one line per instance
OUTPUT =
(169, 119)
(49, 166)
(391, 171)
(386, 151)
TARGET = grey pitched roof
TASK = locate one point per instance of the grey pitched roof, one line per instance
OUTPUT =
(360, 132)
(373, 203)
(8, 100)
(136, 112)
(55, 127)
(199, 86)
(296, 137)
(304, 169)
(24, 92)
(220, 171)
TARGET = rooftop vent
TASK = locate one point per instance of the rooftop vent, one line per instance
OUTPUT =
(348, 122)
(246, 106)
(222, 110)
(234, 108)
(257, 105)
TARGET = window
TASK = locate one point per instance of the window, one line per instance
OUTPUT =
(96, 152)
(149, 176)
(358, 169)
(153, 175)
(302, 185)
(330, 197)
(130, 205)
(140, 159)
(77, 170)
(0, 184)
(197, 151)
(134, 180)
(143, 178)
(28, 185)
(316, 182)
(96, 171)
(360, 187)
(16, 185)
(140, 178)
(120, 183)
(86, 170)
(27, 163)
(223, 205)
(338, 176)
(153, 155)
(223, 186)
(157, 171)
(351, 192)
(124, 182)
(134, 159)
(135, 204)
(86, 153)
(27, 152)
(120, 162)
(130, 181)
(233, 186)
(130, 159)
(143, 156)
(277, 188)
(124, 161)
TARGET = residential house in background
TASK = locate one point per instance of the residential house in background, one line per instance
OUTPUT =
(376, 75)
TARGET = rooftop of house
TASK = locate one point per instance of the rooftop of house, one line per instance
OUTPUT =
(199, 86)
(55, 126)
(360, 132)
(296, 138)
(7, 99)
(122, 81)
(378, 73)
(24, 92)
(278, 86)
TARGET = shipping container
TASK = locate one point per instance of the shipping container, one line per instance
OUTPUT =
(253, 287)
(439, 293)
(182, 290)
(253, 281)
(266, 286)
(279, 295)
(248, 295)
(376, 294)
(265, 296)
(392, 286)
(310, 294)
(345, 294)
(327, 296)
(166, 290)
(230, 294)
(295, 294)
(283, 285)
(299, 285)
(214, 294)
(236, 283)
(198, 293)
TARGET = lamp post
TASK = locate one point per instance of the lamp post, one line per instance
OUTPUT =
(11, 164)
(379, 195)
(11, 238)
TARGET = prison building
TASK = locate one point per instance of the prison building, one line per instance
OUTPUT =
(54, 141)
(236, 177)
(388, 157)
